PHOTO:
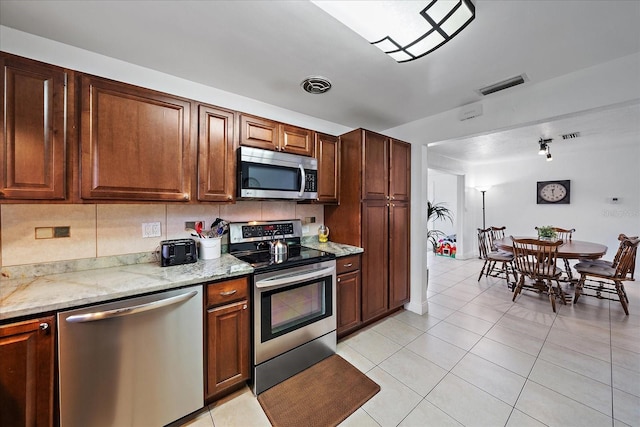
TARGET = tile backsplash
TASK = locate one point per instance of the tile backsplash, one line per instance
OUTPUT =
(116, 229)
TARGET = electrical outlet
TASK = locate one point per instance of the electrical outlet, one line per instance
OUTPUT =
(151, 229)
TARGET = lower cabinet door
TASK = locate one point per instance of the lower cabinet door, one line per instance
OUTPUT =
(26, 373)
(228, 347)
(348, 301)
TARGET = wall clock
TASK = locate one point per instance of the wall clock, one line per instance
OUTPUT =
(554, 192)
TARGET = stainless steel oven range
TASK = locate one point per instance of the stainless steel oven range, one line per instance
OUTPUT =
(294, 299)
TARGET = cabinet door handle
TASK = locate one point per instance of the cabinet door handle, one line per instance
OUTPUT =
(227, 293)
(348, 265)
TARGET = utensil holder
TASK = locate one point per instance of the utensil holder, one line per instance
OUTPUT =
(209, 248)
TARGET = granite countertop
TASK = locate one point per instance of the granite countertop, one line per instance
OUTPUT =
(45, 288)
(339, 249)
(30, 295)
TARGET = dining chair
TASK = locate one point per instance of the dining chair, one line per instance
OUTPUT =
(496, 233)
(492, 257)
(614, 261)
(566, 235)
(536, 260)
(603, 279)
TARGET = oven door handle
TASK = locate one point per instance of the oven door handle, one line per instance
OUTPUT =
(293, 278)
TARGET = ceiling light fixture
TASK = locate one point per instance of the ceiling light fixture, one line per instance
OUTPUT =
(405, 30)
(544, 148)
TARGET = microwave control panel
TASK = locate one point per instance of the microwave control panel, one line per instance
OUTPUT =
(311, 180)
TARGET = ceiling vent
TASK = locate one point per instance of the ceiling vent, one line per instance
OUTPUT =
(571, 135)
(316, 84)
(505, 84)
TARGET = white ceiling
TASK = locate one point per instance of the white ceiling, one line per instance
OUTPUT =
(603, 129)
(263, 50)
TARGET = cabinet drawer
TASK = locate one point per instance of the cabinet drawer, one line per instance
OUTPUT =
(347, 263)
(227, 291)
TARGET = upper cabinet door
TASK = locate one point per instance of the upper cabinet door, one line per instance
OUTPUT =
(259, 133)
(375, 167)
(296, 140)
(328, 155)
(400, 172)
(135, 143)
(216, 155)
(33, 138)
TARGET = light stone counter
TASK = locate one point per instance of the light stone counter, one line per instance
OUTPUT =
(44, 288)
(24, 294)
(339, 249)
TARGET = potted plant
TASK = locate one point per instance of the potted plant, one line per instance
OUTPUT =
(437, 211)
(547, 232)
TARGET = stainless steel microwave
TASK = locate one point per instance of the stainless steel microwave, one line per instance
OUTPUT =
(264, 174)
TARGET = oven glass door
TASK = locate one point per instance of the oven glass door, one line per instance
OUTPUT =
(293, 306)
(287, 309)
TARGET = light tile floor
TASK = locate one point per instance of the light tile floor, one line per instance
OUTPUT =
(478, 359)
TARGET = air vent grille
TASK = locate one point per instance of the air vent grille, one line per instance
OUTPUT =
(571, 135)
(504, 84)
(316, 84)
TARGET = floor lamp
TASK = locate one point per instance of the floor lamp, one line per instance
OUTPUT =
(483, 190)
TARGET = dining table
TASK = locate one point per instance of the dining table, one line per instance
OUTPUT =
(568, 250)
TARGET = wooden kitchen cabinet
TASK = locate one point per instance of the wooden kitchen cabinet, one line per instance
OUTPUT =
(216, 161)
(349, 287)
(135, 143)
(328, 155)
(267, 134)
(399, 238)
(374, 214)
(27, 373)
(228, 337)
(36, 106)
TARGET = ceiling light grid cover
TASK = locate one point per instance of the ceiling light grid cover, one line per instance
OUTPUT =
(405, 30)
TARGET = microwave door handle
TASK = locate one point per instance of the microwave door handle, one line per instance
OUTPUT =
(303, 181)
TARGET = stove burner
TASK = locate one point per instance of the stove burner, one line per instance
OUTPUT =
(297, 255)
(250, 242)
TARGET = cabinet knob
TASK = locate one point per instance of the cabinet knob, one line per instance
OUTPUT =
(44, 327)
(185, 196)
(338, 280)
(244, 307)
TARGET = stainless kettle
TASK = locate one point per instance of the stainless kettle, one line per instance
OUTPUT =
(278, 246)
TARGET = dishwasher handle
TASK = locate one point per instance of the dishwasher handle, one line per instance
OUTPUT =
(125, 311)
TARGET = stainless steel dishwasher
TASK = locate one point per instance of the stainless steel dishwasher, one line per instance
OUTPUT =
(135, 362)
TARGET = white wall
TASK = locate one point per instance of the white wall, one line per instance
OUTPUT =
(443, 189)
(596, 177)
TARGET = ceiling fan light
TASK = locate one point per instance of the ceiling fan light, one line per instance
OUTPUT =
(549, 158)
(543, 149)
